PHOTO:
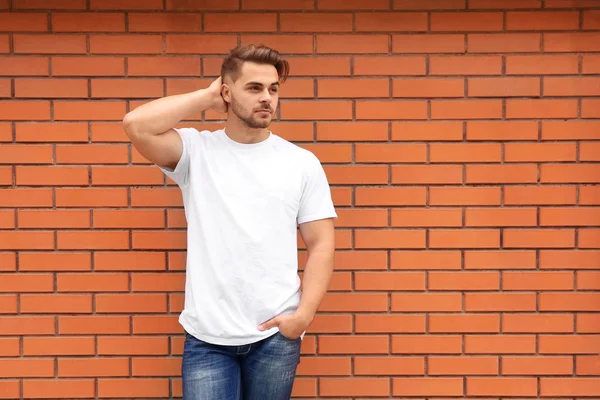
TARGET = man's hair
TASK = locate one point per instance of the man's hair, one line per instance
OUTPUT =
(259, 54)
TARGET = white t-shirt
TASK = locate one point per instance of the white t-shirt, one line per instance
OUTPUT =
(243, 203)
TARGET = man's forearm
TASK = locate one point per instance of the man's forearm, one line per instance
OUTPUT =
(162, 114)
(315, 281)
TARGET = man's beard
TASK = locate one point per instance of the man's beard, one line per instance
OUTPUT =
(249, 121)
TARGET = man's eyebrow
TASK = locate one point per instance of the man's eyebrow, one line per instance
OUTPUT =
(260, 84)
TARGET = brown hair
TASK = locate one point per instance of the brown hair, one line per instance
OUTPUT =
(260, 54)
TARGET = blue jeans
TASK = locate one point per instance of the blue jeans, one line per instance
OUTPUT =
(264, 370)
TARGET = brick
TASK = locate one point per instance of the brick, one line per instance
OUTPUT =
(499, 344)
(324, 366)
(246, 22)
(55, 261)
(501, 386)
(463, 365)
(569, 386)
(546, 238)
(425, 259)
(163, 66)
(465, 65)
(24, 66)
(464, 323)
(473, 153)
(473, 196)
(88, 66)
(25, 154)
(353, 5)
(389, 65)
(96, 324)
(542, 20)
(125, 44)
(352, 44)
(156, 197)
(539, 195)
(389, 238)
(314, 22)
(8, 305)
(426, 344)
(354, 386)
(589, 108)
(65, 43)
(348, 302)
(419, 5)
(43, 176)
(165, 324)
(274, 4)
(589, 152)
(59, 389)
(285, 44)
(391, 110)
(127, 88)
(540, 152)
(426, 217)
(537, 323)
(319, 66)
(366, 365)
(591, 64)
(587, 365)
(131, 175)
(426, 302)
(159, 240)
(347, 344)
(389, 196)
(27, 368)
(199, 43)
(54, 303)
(353, 88)
(390, 153)
(571, 42)
(501, 130)
(8, 262)
(155, 366)
(390, 323)
(501, 302)
(24, 21)
(427, 87)
(428, 43)
(507, 173)
(90, 197)
(16, 110)
(165, 22)
(466, 22)
(466, 109)
(26, 240)
(403, 22)
(426, 174)
(50, 88)
(541, 64)
(353, 218)
(490, 217)
(48, 219)
(89, 110)
(94, 154)
(503, 43)
(96, 240)
(463, 281)
(40, 4)
(569, 216)
(569, 173)
(352, 131)
(6, 132)
(86, 282)
(126, 5)
(568, 344)
(581, 86)
(133, 387)
(583, 301)
(10, 388)
(431, 131)
(473, 238)
(496, 4)
(51, 132)
(503, 87)
(27, 325)
(88, 22)
(93, 367)
(311, 109)
(150, 282)
(427, 386)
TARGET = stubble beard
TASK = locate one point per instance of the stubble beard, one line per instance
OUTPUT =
(250, 121)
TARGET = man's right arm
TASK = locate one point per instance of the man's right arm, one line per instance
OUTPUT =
(150, 126)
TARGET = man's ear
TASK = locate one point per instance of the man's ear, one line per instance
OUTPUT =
(226, 92)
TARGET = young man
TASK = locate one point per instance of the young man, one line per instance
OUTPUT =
(246, 193)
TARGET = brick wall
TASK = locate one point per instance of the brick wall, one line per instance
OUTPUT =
(462, 142)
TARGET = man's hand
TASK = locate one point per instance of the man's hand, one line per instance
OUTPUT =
(291, 326)
(218, 103)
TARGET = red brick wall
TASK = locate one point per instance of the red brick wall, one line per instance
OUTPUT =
(462, 142)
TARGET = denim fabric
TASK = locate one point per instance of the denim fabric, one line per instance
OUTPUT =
(264, 370)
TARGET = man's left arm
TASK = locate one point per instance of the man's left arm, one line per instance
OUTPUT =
(319, 238)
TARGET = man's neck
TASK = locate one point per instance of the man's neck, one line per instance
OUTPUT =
(239, 132)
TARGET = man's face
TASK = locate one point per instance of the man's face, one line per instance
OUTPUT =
(254, 96)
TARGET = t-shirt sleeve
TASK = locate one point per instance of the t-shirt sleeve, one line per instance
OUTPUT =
(181, 172)
(316, 202)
